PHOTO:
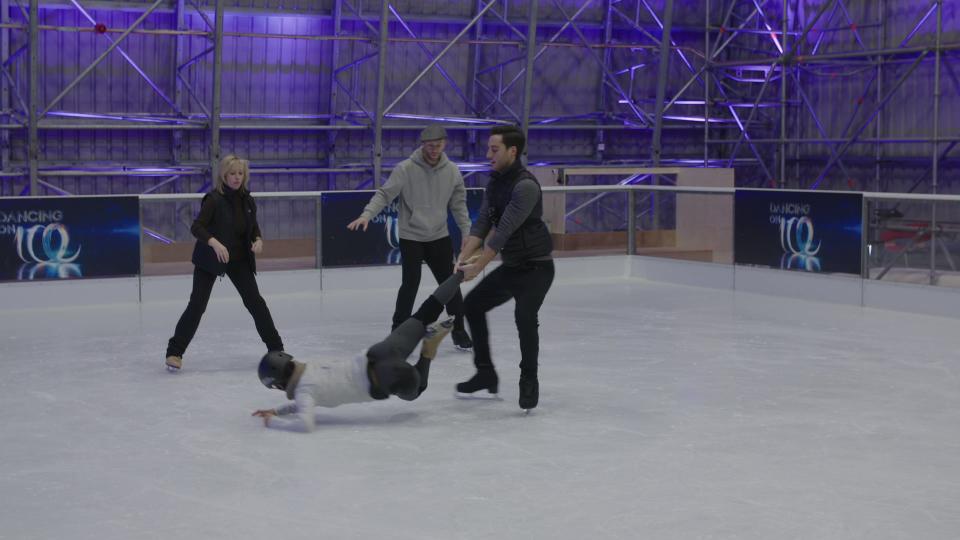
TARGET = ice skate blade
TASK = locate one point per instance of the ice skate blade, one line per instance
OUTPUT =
(463, 349)
(478, 395)
(173, 369)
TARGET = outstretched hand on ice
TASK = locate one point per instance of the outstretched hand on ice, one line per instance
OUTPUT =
(265, 414)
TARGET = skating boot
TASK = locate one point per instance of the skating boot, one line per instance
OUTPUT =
(461, 340)
(529, 393)
(483, 379)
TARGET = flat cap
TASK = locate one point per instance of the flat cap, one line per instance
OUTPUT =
(433, 132)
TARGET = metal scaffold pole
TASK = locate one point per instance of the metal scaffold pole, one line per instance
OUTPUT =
(381, 88)
(217, 89)
(528, 75)
(33, 136)
(936, 144)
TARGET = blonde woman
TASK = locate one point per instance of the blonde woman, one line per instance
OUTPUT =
(228, 239)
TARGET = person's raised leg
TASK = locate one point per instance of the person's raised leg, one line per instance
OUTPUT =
(428, 350)
(401, 342)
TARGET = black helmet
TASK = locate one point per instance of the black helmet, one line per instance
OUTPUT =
(275, 369)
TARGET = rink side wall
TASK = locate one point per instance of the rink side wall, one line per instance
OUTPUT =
(837, 289)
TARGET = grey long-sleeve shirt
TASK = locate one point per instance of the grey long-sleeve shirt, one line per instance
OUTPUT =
(323, 383)
(522, 201)
(425, 194)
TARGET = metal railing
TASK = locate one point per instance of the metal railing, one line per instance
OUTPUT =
(898, 227)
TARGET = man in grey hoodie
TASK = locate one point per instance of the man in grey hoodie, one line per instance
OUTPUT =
(427, 185)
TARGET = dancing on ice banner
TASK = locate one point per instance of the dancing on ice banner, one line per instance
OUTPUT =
(812, 231)
(381, 243)
(68, 237)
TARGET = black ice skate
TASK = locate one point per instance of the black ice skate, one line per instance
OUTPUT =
(483, 379)
(529, 393)
(461, 340)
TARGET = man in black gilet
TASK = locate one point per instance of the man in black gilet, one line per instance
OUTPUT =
(509, 223)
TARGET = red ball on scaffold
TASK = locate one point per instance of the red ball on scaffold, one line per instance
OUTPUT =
(100, 28)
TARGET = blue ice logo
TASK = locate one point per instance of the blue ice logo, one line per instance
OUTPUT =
(32, 271)
(796, 235)
(52, 254)
(54, 261)
(391, 228)
(796, 239)
(390, 218)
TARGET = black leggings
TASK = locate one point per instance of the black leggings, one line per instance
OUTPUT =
(243, 279)
(388, 358)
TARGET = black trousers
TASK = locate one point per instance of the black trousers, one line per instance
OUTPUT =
(246, 283)
(527, 285)
(387, 359)
(438, 255)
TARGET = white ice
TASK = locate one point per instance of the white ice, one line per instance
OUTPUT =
(667, 412)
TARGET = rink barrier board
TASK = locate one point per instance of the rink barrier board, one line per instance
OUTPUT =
(846, 290)
(793, 284)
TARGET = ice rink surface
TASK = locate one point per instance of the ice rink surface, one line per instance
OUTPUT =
(666, 412)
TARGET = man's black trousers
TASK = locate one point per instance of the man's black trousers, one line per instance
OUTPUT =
(527, 284)
(438, 255)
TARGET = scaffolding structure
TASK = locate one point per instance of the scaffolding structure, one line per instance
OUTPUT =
(740, 86)
(782, 56)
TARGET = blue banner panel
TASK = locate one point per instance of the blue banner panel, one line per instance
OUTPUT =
(799, 230)
(68, 237)
(380, 244)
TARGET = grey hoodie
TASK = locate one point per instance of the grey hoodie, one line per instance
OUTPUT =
(425, 193)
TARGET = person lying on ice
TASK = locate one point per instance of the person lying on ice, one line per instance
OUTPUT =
(379, 372)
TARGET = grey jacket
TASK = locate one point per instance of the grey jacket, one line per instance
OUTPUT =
(425, 193)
